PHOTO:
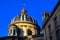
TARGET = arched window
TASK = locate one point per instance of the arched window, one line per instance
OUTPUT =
(18, 32)
(13, 32)
(29, 32)
(10, 32)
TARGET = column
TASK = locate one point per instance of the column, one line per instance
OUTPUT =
(25, 31)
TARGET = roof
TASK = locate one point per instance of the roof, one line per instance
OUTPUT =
(19, 38)
(23, 17)
(57, 5)
(11, 38)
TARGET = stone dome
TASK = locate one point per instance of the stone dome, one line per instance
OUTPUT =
(24, 17)
(23, 25)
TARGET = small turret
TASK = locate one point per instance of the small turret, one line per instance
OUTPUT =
(45, 17)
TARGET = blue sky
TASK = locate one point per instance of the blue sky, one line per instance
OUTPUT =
(11, 8)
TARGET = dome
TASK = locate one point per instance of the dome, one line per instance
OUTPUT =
(23, 17)
(23, 25)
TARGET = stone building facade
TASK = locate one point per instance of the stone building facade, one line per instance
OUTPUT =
(51, 27)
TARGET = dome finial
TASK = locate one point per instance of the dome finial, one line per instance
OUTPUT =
(24, 11)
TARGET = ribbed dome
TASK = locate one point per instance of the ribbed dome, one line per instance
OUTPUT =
(24, 17)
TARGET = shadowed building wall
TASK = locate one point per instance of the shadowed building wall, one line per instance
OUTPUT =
(51, 28)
